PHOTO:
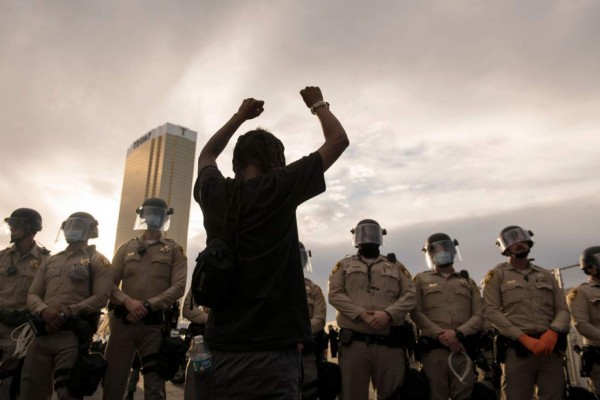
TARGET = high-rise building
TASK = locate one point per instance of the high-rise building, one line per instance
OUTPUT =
(159, 164)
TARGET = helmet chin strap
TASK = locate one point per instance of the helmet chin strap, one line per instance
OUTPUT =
(368, 250)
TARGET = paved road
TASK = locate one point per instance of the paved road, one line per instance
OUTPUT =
(174, 392)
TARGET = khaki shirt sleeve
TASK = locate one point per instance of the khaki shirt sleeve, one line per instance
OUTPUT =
(178, 281)
(562, 317)
(579, 306)
(475, 323)
(492, 298)
(317, 322)
(37, 290)
(425, 325)
(195, 314)
(407, 300)
(101, 288)
(118, 297)
(338, 297)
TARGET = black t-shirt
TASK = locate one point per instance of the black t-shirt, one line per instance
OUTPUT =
(270, 310)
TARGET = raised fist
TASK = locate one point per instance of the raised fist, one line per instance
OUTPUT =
(251, 108)
(311, 95)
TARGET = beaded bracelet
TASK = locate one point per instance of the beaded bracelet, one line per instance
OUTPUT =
(317, 105)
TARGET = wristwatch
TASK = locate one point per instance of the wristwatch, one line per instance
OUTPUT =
(147, 305)
(459, 335)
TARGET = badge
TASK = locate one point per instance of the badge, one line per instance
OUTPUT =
(572, 294)
(165, 249)
(34, 264)
(85, 261)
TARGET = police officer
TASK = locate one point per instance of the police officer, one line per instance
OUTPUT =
(317, 309)
(198, 316)
(372, 295)
(585, 311)
(151, 272)
(526, 305)
(73, 285)
(448, 314)
(18, 265)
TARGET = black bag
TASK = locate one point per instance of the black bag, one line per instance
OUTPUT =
(86, 374)
(170, 356)
(329, 380)
(214, 273)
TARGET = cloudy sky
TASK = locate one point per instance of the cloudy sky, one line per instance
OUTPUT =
(463, 116)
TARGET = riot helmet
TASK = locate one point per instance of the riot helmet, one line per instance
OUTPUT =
(26, 219)
(153, 215)
(305, 256)
(79, 227)
(590, 258)
(511, 235)
(441, 251)
(367, 231)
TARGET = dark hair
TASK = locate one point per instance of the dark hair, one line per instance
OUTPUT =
(259, 148)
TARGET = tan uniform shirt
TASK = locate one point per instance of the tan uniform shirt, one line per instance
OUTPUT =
(524, 301)
(317, 308)
(64, 280)
(357, 285)
(197, 314)
(447, 303)
(584, 303)
(14, 283)
(157, 276)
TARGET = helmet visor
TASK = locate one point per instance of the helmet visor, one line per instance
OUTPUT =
(513, 236)
(76, 229)
(367, 233)
(444, 252)
(305, 259)
(152, 218)
(12, 223)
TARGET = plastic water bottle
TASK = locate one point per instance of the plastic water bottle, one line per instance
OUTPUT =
(200, 355)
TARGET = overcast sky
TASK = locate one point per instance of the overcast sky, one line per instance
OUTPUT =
(464, 116)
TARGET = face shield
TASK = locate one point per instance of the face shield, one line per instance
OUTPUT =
(75, 229)
(367, 233)
(305, 256)
(512, 236)
(152, 218)
(442, 253)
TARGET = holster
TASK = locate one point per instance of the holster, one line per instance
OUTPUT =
(590, 355)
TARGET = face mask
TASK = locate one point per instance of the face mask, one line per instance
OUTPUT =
(442, 258)
(74, 235)
(369, 250)
(523, 254)
(154, 222)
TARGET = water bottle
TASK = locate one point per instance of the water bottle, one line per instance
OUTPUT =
(200, 355)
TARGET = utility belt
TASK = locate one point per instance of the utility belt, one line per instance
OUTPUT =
(590, 355)
(13, 318)
(83, 327)
(394, 339)
(152, 318)
(503, 344)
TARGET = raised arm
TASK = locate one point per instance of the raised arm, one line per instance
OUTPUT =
(336, 140)
(250, 108)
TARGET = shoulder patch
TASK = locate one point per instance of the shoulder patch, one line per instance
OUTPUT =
(405, 272)
(336, 267)
(488, 277)
(104, 261)
(572, 294)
